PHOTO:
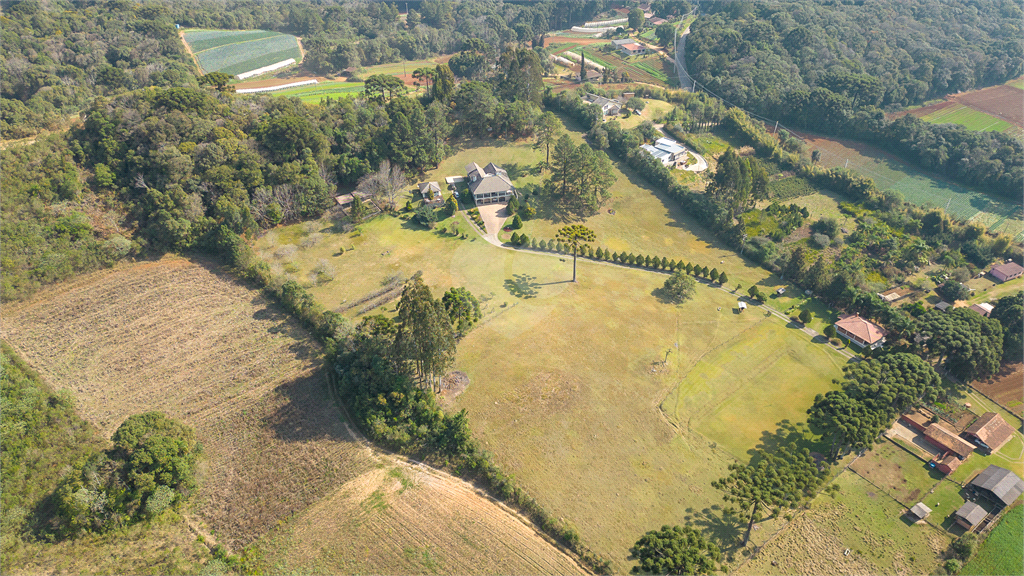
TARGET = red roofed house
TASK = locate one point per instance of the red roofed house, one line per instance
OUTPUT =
(1008, 271)
(955, 449)
(860, 331)
(989, 431)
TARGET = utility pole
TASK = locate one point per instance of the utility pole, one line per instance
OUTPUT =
(776, 127)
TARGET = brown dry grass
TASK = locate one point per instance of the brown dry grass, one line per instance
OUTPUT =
(177, 336)
(413, 521)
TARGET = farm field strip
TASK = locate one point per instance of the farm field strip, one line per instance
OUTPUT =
(997, 214)
(970, 118)
(176, 336)
(313, 94)
(234, 51)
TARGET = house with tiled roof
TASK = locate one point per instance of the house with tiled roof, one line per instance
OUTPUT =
(860, 331)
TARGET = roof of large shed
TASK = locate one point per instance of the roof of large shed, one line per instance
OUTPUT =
(1002, 483)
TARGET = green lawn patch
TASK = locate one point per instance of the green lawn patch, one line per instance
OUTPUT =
(1002, 552)
(315, 93)
(903, 476)
(765, 375)
(969, 118)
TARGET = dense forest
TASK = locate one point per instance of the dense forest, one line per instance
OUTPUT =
(835, 67)
(56, 56)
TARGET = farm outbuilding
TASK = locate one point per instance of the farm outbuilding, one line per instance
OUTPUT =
(1007, 272)
(989, 431)
(998, 485)
(984, 309)
(920, 511)
(431, 192)
(970, 515)
(742, 306)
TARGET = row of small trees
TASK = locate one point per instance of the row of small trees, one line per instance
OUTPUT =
(653, 262)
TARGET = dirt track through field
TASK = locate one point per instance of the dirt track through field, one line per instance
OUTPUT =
(180, 337)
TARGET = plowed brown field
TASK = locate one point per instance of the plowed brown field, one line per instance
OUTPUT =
(1005, 388)
(177, 336)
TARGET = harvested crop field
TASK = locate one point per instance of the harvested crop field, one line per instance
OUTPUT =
(414, 522)
(1005, 388)
(178, 336)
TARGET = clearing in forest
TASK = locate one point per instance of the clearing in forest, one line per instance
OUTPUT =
(178, 336)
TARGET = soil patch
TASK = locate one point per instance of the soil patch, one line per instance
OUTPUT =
(1005, 388)
(453, 384)
(1001, 101)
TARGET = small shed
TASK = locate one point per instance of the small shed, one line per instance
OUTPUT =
(431, 192)
(970, 515)
(780, 291)
(984, 309)
(920, 511)
(943, 306)
(742, 306)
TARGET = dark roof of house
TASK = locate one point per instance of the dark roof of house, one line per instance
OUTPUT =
(949, 439)
(492, 178)
(971, 513)
(1003, 484)
(1008, 269)
(991, 429)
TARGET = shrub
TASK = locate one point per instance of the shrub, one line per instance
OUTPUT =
(533, 243)
(517, 222)
(323, 272)
(953, 565)
(515, 239)
(805, 316)
(821, 240)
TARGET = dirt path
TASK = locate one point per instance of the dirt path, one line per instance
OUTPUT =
(181, 34)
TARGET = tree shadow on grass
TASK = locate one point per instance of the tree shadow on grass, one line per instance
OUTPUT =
(787, 433)
(724, 530)
(522, 286)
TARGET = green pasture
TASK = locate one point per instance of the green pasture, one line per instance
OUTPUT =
(567, 380)
(313, 94)
(767, 374)
(237, 51)
(859, 518)
(791, 187)
(998, 215)
(397, 68)
(945, 498)
(987, 289)
(1002, 552)
(969, 118)
(1018, 83)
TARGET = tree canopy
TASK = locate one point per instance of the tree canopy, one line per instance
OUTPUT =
(966, 343)
(675, 550)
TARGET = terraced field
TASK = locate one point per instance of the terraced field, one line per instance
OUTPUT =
(237, 51)
(177, 336)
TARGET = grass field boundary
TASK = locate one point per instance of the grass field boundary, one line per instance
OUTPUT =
(1008, 411)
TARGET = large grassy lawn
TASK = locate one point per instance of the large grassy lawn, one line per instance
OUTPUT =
(567, 381)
